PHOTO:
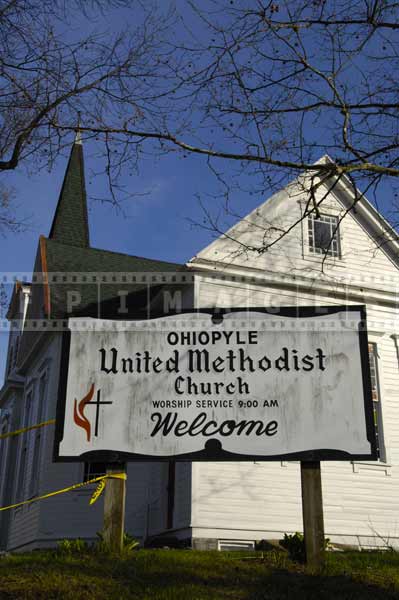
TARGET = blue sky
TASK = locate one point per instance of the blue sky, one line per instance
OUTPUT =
(154, 225)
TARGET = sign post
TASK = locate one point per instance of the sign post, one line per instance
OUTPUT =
(114, 509)
(312, 511)
(251, 385)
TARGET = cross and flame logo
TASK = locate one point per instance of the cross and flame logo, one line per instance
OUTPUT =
(79, 415)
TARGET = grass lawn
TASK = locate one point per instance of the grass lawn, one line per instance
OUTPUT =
(191, 575)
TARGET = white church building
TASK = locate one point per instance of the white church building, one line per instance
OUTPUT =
(343, 253)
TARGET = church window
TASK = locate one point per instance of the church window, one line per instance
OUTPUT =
(37, 435)
(324, 235)
(94, 469)
(24, 440)
(375, 392)
(4, 446)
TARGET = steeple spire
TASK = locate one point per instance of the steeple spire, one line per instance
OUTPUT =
(70, 224)
(78, 138)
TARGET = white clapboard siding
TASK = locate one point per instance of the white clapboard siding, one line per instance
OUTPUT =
(69, 515)
(254, 501)
(13, 404)
(360, 253)
(157, 498)
(136, 499)
(264, 499)
(146, 504)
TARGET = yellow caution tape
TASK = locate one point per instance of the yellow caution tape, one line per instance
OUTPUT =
(98, 491)
(96, 494)
(18, 431)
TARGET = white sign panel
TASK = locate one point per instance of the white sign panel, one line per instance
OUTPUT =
(250, 385)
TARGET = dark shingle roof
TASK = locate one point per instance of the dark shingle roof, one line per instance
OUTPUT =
(65, 258)
(62, 257)
(70, 223)
(96, 297)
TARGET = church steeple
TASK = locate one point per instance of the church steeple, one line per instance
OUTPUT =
(70, 224)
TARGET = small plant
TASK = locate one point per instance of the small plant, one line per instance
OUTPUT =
(295, 545)
(74, 546)
(129, 544)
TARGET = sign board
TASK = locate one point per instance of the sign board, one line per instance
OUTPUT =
(250, 385)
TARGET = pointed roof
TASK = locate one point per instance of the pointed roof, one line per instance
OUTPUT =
(374, 224)
(70, 224)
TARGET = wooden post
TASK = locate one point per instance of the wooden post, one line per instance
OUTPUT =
(312, 510)
(114, 509)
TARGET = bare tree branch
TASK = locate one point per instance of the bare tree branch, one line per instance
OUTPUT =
(260, 89)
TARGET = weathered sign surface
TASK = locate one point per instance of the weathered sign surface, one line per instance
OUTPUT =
(251, 385)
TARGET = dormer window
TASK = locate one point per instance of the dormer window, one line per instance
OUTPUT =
(324, 235)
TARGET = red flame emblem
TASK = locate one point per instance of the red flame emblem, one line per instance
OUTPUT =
(78, 412)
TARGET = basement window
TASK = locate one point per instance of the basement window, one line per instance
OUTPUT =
(324, 235)
(229, 545)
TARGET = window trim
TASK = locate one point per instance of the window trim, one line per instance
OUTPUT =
(86, 471)
(386, 464)
(38, 434)
(5, 427)
(310, 236)
(378, 403)
(23, 452)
